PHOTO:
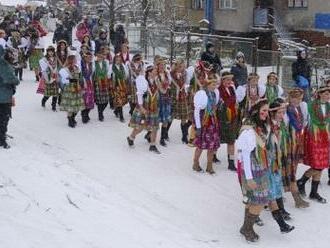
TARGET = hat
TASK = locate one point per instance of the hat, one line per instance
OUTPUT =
(72, 53)
(253, 76)
(63, 41)
(277, 105)
(160, 60)
(50, 48)
(149, 67)
(136, 57)
(240, 55)
(226, 75)
(296, 92)
(210, 81)
(323, 89)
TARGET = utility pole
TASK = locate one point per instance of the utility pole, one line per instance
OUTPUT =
(208, 13)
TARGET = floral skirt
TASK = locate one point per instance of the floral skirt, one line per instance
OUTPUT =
(51, 89)
(149, 121)
(209, 138)
(35, 56)
(102, 94)
(317, 149)
(72, 99)
(261, 195)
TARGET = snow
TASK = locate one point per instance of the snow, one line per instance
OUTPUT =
(13, 2)
(84, 188)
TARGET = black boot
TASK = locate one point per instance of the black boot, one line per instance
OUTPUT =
(54, 101)
(184, 131)
(84, 116)
(154, 149)
(132, 107)
(59, 99)
(231, 164)
(285, 214)
(314, 195)
(301, 185)
(74, 119)
(121, 115)
(130, 142)
(167, 130)
(4, 144)
(43, 101)
(284, 227)
(116, 113)
(147, 136)
(100, 111)
(70, 122)
(215, 159)
(162, 136)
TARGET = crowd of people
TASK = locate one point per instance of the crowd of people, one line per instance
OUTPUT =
(268, 132)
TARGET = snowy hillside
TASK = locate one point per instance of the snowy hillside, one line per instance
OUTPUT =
(84, 188)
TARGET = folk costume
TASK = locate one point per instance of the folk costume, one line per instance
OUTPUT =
(146, 113)
(181, 108)
(229, 117)
(163, 81)
(207, 124)
(317, 143)
(101, 80)
(61, 55)
(297, 120)
(273, 90)
(72, 97)
(253, 171)
(49, 77)
(120, 92)
(247, 95)
(136, 67)
(87, 71)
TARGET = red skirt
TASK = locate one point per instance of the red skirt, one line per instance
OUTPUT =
(317, 149)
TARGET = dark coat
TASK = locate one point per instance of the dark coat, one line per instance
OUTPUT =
(301, 68)
(212, 59)
(240, 74)
(61, 34)
(8, 80)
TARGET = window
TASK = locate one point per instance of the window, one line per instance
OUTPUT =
(198, 4)
(227, 4)
(298, 3)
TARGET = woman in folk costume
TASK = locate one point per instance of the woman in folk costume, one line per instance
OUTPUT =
(119, 78)
(35, 52)
(247, 95)
(297, 117)
(72, 97)
(253, 171)
(101, 80)
(49, 76)
(19, 45)
(197, 82)
(146, 113)
(229, 117)
(207, 124)
(135, 67)
(181, 108)
(61, 55)
(124, 52)
(278, 150)
(163, 82)
(88, 42)
(273, 90)
(87, 70)
(316, 143)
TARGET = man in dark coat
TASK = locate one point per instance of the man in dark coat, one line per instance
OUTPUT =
(211, 57)
(117, 37)
(101, 41)
(239, 70)
(61, 34)
(8, 83)
(302, 67)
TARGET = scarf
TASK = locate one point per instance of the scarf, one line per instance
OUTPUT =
(271, 92)
(229, 100)
(209, 113)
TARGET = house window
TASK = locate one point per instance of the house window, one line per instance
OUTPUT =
(298, 3)
(197, 4)
(227, 4)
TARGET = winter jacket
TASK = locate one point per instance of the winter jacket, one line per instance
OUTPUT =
(61, 34)
(240, 74)
(8, 80)
(301, 68)
(213, 59)
(117, 39)
(100, 43)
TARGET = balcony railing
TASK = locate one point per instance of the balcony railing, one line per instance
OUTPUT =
(263, 18)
